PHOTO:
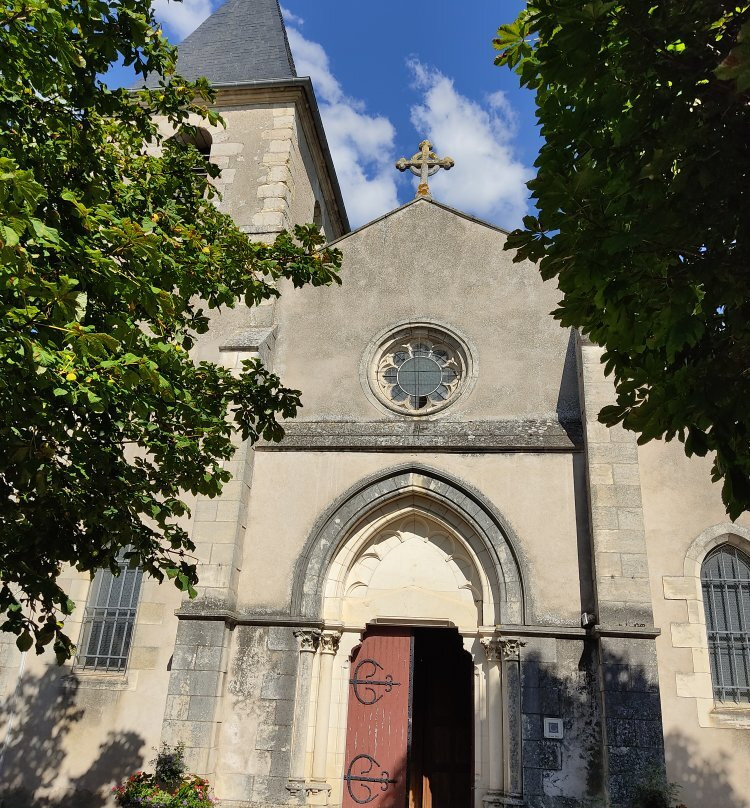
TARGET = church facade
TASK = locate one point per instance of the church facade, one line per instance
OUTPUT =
(448, 585)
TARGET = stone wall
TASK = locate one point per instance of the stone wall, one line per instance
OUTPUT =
(232, 702)
(68, 731)
(707, 742)
(258, 712)
(559, 679)
(623, 620)
(634, 739)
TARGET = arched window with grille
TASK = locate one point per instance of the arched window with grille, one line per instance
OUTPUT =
(109, 620)
(725, 577)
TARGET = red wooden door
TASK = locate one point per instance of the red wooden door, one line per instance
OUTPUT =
(378, 722)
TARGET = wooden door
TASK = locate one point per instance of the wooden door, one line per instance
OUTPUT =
(378, 722)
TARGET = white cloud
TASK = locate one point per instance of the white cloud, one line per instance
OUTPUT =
(487, 180)
(290, 18)
(498, 101)
(182, 18)
(311, 60)
(361, 144)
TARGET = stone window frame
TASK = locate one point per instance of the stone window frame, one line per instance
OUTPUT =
(103, 577)
(370, 356)
(696, 684)
(150, 620)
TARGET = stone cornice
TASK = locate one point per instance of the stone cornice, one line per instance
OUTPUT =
(236, 618)
(538, 434)
(250, 339)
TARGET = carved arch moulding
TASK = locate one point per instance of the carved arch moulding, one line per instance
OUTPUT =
(459, 522)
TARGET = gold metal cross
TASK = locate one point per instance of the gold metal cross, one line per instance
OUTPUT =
(424, 164)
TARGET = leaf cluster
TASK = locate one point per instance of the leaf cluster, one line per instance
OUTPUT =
(170, 785)
(113, 255)
(643, 191)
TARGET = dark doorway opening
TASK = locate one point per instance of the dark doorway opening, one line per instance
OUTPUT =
(441, 759)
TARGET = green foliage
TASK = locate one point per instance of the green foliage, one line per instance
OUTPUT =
(643, 194)
(170, 786)
(655, 791)
(111, 257)
(169, 766)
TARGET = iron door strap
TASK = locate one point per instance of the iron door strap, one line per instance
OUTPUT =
(363, 779)
(369, 683)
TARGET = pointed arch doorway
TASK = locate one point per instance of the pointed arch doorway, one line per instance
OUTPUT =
(411, 591)
(409, 731)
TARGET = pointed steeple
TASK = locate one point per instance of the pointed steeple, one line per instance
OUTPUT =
(242, 41)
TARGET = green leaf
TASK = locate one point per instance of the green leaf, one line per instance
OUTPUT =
(9, 236)
(43, 232)
(24, 641)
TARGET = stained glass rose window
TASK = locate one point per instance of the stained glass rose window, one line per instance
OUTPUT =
(419, 370)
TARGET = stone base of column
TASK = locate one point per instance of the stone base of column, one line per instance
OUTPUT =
(296, 788)
(310, 792)
(318, 792)
(498, 799)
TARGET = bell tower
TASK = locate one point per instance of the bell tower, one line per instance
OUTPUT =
(276, 168)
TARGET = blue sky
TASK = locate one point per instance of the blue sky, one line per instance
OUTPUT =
(388, 74)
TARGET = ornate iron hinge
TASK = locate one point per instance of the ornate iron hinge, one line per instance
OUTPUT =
(369, 684)
(363, 780)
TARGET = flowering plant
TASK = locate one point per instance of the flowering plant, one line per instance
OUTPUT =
(170, 786)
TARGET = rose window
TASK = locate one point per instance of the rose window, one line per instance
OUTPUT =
(419, 371)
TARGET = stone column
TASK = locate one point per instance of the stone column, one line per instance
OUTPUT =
(307, 640)
(494, 720)
(474, 648)
(510, 651)
(329, 645)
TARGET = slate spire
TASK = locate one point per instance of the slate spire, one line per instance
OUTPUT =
(242, 41)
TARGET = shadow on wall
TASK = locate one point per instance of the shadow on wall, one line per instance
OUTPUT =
(42, 713)
(704, 780)
(561, 682)
(568, 399)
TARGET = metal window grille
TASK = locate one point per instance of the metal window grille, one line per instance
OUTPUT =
(109, 620)
(725, 577)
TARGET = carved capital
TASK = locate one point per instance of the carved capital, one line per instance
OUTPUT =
(296, 787)
(491, 649)
(307, 639)
(499, 649)
(329, 642)
(510, 647)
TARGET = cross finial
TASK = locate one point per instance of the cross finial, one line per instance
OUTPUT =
(424, 164)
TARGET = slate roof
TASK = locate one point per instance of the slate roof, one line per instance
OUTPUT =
(242, 41)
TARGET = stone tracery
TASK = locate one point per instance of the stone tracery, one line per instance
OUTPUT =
(415, 565)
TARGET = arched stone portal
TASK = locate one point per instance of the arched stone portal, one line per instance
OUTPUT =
(408, 561)
(415, 551)
(464, 510)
